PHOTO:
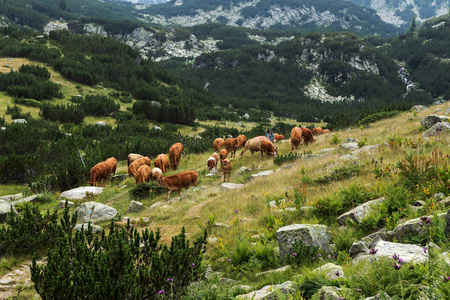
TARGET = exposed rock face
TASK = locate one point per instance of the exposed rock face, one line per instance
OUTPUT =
(95, 212)
(407, 252)
(360, 212)
(328, 293)
(311, 235)
(20, 121)
(5, 208)
(412, 228)
(418, 108)
(52, 26)
(270, 291)
(431, 120)
(81, 192)
(95, 228)
(438, 129)
(95, 29)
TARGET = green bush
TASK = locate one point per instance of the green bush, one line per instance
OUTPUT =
(281, 158)
(147, 190)
(27, 102)
(124, 264)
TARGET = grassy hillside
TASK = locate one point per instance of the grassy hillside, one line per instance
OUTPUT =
(313, 183)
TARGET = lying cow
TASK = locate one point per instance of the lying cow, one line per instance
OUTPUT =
(226, 168)
(132, 157)
(175, 183)
(253, 144)
(307, 136)
(218, 144)
(143, 174)
(296, 137)
(134, 166)
(99, 174)
(268, 148)
(175, 152)
(162, 162)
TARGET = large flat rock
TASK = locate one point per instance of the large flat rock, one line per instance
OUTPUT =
(358, 213)
(80, 192)
(407, 252)
(231, 186)
(95, 212)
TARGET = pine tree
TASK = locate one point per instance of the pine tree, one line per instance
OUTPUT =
(413, 24)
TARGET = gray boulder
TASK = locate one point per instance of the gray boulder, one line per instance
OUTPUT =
(261, 174)
(231, 186)
(135, 206)
(331, 270)
(431, 120)
(81, 192)
(438, 129)
(11, 198)
(407, 252)
(326, 150)
(95, 212)
(63, 202)
(418, 108)
(20, 121)
(358, 248)
(379, 296)
(309, 234)
(243, 170)
(349, 146)
(279, 270)
(412, 228)
(288, 166)
(447, 111)
(31, 199)
(328, 293)
(5, 208)
(358, 213)
(272, 292)
(95, 228)
(365, 149)
(351, 140)
(100, 123)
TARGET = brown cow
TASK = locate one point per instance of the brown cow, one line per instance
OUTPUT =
(268, 147)
(132, 157)
(99, 174)
(226, 168)
(162, 162)
(218, 144)
(296, 137)
(307, 136)
(223, 154)
(112, 165)
(317, 131)
(230, 144)
(213, 161)
(277, 137)
(156, 175)
(175, 152)
(134, 166)
(240, 142)
(143, 174)
(179, 181)
(326, 131)
(253, 144)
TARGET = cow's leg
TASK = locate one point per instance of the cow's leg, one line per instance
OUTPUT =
(168, 194)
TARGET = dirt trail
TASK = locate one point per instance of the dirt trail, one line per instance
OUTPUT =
(19, 277)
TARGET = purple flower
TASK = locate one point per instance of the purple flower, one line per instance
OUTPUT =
(428, 221)
(313, 257)
(193, 264)
(373, 251)
(161, 292)
(397, 266)
(400, 260)
(337, 273)
(236, 211)
(228, 260)
(295, 254)
(319, 255)
(358, 290)
(341, 298)
(329, 256)
(253, 250)
(169, 279)
(425, 250)
(395, 256)
(446, 279)
(420, 223)
(423, 218)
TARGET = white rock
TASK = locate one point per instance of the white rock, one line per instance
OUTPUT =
(81, 192)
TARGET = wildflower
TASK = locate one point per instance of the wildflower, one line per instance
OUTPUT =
(54, 207)
(400, 260)
(425, 250)
(319, 255)
(236, 211)
(313, 257)
(169, 279)
(373, 251)
(397, 266)
(341, 298)
(420, 223)
(329, 256)
(253, 250)
(193, 264)
(395, 256)
(295, 254)
(358, 290)
(229, 259)
(428, 221)
(446, 279)
(337, 273)
(161, 292)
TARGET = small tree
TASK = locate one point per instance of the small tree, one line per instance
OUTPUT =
(413, 24)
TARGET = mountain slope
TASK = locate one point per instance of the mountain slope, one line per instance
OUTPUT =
(323, 15)
(400, 12)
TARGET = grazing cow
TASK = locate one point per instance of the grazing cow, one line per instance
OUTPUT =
(175, 183)
(218, 144)
(277, 137)
(253, 144)
(307, 136)
(240, 142)
(269, 148)
(175, 152)
(223, 154)
(156, 175)
(213, 161)
(317, 131)
(143, 174)
(134, 166)
(162, 162)
(296, 137)
(132, 157)
(230, 144)
(99, 174)
(112, 164)
(226, 168)
(326, 131)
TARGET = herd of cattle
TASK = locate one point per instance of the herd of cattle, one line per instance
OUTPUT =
(140, 167)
